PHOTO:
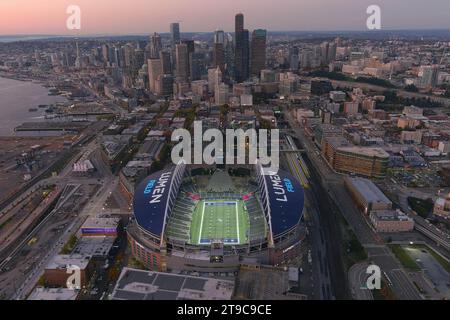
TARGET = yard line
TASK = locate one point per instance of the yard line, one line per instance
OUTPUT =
(237, 222)
(201, 224)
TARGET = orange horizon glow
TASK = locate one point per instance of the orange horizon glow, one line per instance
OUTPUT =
(147, 16)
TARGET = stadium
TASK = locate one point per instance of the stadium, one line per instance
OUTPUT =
(212, 220)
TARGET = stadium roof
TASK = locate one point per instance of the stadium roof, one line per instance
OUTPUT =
(286, 198)
(151, 200)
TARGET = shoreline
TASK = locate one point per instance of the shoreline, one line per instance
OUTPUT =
(17, 102)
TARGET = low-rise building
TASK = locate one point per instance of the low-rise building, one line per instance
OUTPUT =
(391, 221)
(442, 207)
(100, 227)
(367, 195)
(346, 158)
(50, 294)
(62, 266)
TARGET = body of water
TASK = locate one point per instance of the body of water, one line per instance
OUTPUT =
(16, 98)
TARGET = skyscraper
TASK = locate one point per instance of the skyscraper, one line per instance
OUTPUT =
(219, 56)
(324, 47)
(219, 36)
(258, 57)
(214, 78)
(197, 64)
(155, 69)
(175, 33)
(241, 50)
(105, 53)
(221, 94)
(331, 52)
(190, 51)
(182, 61)
(156, 46)
(294, 58)
(164, 55)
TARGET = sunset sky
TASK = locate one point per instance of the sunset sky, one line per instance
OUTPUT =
(146, 16)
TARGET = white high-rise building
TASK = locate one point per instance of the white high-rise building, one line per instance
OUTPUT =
(214, 78)
(155, 69)
(221, 94)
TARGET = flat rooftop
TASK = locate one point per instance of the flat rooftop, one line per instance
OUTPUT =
(370, 152)
(53, 294)
(61, 261)
(136, 284)
(390, 215)
(368, 190)
(94, 222)
(94, 246)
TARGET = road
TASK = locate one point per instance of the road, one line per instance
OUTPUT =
(25, 264)
(317, 255)
(440, 238)
(328, 187)
(357, 276)
(93, 208)
(368, 86)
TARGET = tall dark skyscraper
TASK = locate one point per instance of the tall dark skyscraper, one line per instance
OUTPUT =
(182, 59)
(190, 51)
(166, 62)
(241, 50)
(219, 56)
(175, 33)
(258, 56)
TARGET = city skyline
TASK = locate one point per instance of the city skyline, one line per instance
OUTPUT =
(193, 150)
(42, 17)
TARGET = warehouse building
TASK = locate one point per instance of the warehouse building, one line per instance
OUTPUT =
(367, 195)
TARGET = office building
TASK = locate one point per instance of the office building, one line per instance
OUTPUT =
(345, 158)
(175, 34)
(155, 69)
(219, 36)
(221, 94)
(182, 61)
(155, 46)
(390, 221)
(258, 52)
(214, 78)
(241, 59)
(164, 55)
(219, 56)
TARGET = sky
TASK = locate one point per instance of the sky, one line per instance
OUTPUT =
(148, 16)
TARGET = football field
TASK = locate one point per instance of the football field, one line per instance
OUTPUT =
(224, 221)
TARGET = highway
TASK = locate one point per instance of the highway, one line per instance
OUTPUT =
(358, 277)
(321, 279)
(327, 248)
(368, 86)
(333, 199)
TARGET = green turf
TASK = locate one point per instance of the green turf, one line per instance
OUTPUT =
(212, 222)
(404, 257)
